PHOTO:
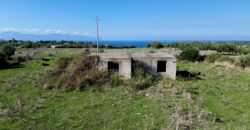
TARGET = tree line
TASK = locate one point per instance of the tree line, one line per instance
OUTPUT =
(6, 52)
(237, 47)
(57, 44)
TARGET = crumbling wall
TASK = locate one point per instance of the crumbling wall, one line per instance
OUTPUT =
(125, 63)
(125, 69)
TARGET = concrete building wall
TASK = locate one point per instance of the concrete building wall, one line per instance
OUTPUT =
(125, 63)
(125, 68)
(171, 69)
(153, 63)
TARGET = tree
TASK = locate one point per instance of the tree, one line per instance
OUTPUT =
(7, 50)
(148, 45)
(157, 45)
(190, 54)
(2, 59)
(244, 61)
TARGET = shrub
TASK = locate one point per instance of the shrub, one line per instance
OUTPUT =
(62, 63)
(78, 73)
(244, 61)
(2, 59)
(157, 45)
(212, 58)
(16, 60)
(244, 50)
(87, 51)
(20, 59)
(50, 54)
(7, 50)
(190, 54)
(140, 69)
(226, 59)
(151, 51)
(142, 76)
(215, 57)
(148, 45)
(201, 58)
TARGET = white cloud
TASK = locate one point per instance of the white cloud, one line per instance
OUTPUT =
(43, 31)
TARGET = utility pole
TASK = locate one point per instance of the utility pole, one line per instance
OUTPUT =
(97, 33)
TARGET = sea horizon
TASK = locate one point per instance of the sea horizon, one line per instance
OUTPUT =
(143, 43)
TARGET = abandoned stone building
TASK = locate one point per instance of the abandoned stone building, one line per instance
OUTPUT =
(159, 63)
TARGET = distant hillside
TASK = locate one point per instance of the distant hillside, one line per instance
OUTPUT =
(22, 36)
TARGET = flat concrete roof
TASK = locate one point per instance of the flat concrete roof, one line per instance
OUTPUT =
(153, 55)
(114, 55)
(133, 55)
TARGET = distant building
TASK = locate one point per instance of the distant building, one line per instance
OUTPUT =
(56, 46)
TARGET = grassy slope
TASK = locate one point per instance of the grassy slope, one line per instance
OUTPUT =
(222, 94)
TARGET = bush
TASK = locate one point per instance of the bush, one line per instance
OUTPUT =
(62, 63)
(212, 58)
(2, 59)
(7, 50)
(87, 51)
(140, 69)
(226, 59)
(78, 73)
(190, 55)
(142, 76)
(215, 57)
(244, 50)
(16, 60)
(148, 45)
(157, 45)
(244, 61)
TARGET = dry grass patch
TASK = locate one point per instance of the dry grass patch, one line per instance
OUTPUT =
(78, 73)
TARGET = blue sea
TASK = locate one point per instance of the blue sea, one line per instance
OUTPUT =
(138, 44)
(142, 44)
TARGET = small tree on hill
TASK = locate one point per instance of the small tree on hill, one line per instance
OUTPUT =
(2, 59)
(190, 54)
(148, 45)
(7, 50)
(157, 45)
(244, 61)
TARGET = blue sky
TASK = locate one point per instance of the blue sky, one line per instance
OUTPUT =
(131, 19)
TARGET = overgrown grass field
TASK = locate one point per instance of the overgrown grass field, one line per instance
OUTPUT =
(218, 101)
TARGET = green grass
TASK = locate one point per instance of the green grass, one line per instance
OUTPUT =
(224, 92)
(222, 95)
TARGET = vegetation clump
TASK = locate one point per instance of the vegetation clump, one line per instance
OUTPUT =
(218, 58)
(191, 54)
(220, 47)
(143, 76)
(78, 73)
(156, 45)
(227, 59)
(6, 51)
(212, 58)
(244, 61)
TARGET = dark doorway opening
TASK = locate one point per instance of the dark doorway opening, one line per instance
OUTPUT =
(113, 66)
(161, 66)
